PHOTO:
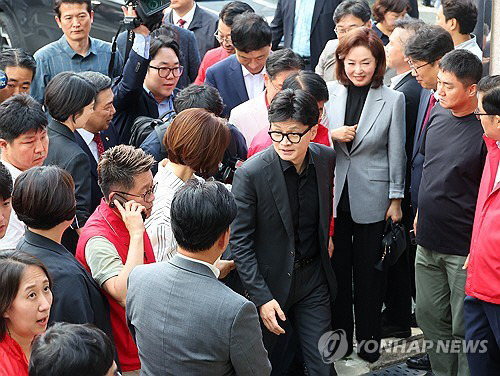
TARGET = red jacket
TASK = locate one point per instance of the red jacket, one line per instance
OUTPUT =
(12, 358)
(483, 272)
(105, 222)
(211, 57)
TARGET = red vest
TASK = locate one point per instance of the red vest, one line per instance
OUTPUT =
(105, 222)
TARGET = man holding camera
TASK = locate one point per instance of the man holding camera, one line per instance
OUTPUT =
(75, 51)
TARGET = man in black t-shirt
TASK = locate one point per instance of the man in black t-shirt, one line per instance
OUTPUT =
(454, 154)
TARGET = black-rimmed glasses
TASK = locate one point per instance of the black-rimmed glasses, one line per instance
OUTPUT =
(479, 114)
(293, 137)
(164, 72)
(415, 68)
(146, 196)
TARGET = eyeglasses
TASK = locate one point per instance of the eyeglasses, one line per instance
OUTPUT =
(293, 137)
(414, 68)
(222, 39)
(164, 72)
(479, 114)
(345, 31)
(146, 196)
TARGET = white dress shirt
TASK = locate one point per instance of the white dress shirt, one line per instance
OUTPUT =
(188, 17)
(472, 46)
(15, 228)
(211, 266)
(397, 79)
(88, 137)
(253, 82)
(250, 117)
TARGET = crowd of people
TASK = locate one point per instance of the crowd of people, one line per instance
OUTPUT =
(212, 197)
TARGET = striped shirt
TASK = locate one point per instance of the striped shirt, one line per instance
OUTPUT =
(158, 225)
(58, 56)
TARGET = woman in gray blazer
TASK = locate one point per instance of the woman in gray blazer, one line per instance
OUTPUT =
(367, 126)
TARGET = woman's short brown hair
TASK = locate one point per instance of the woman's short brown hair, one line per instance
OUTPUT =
(361, 37)
(381, 7)
(197, 139)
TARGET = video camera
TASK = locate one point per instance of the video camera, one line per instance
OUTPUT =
(149, 13)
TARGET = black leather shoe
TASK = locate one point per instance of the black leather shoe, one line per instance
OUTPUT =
(420, 362)
(392, 331)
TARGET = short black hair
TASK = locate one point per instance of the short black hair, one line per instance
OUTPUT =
(297, 105)
(119, 166)
(491, 101)
(17, 57)
(44, 197)
(97, 79)
(488, 83)
(67, 94)
(5, 183)
(199, 96)
(20, 114)
(464, 11)
(57, 4)
(357, 8)
(162, 41)
(12, 267)
(464, 65)
(200, 213)
(489, 87)
(232, 9)
(431, 43)
(250, 32)
(310, 82)
(71, 350)
(283, 60)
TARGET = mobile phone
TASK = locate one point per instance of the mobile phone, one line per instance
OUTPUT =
(122, 200)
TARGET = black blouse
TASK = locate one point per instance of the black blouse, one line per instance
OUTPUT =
(356, 98)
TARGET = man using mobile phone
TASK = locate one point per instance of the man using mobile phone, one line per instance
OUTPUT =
(114, 241)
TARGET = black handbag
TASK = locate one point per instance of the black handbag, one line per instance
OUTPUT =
(393, 245)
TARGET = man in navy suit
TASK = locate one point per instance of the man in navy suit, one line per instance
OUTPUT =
(240, 77)
(96, 136)
(424, 52)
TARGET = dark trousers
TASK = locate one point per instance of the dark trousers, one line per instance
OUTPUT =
(482, 323)
(307, 310)
(357, 249)
(400, 287)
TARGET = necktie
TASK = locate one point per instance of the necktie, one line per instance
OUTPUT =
(432, 102)
(181, 22)
(100, 147)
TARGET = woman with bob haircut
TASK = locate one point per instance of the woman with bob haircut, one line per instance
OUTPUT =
(195, 142)
(367, 127)
(44, 200)
(25, 300)
(70, 100)
(386, 13)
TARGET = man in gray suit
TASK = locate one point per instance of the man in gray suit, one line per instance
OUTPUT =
(186, 322)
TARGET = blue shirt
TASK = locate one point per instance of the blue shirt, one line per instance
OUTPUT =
(301, 42)
(58, 56)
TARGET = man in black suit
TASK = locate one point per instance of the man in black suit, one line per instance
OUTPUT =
(189, 57)
(188, 15)
(148, 84)
(396, 318)
(306, 28)
(240, 77)
(279, 239)
(96, 136)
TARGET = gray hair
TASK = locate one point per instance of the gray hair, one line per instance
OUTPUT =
(98, 80)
